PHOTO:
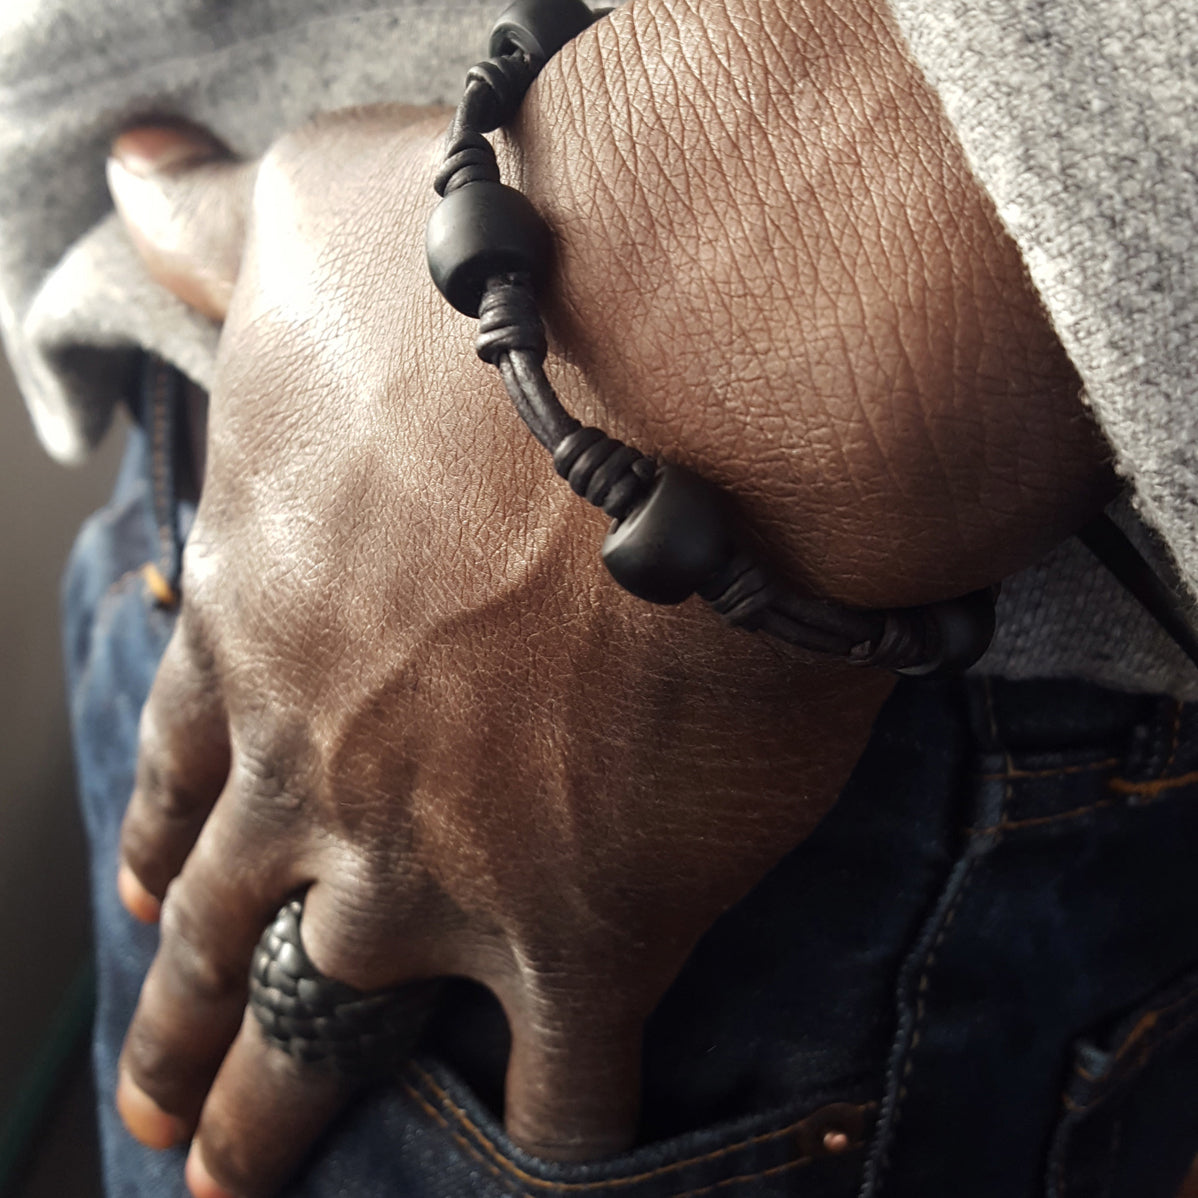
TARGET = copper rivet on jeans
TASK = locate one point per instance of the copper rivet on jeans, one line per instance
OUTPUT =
(835, 1141)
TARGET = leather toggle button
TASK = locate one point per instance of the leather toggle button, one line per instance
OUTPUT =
(832, 1130)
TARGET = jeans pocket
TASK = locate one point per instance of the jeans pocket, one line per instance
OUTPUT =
(1129, 1121)
(811, 1153)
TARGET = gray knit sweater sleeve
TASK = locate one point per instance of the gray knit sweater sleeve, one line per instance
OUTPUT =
(1081, 120)
(73, 299)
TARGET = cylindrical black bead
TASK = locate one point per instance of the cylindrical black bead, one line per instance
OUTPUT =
(539, 28)
(960, 631)
(482, 230)
(681, 535)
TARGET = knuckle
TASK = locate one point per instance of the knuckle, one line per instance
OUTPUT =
(162, 786)
(139, 851)
(202, 567)
(191, 952)
(153, 1063)
(269, 768)
(230, 1157)
(151, 739)
(352, 938)
(204, 573)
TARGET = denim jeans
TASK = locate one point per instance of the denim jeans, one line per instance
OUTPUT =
(979, 977)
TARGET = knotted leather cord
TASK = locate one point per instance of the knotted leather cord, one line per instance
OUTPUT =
(609, 474)
(614, 476)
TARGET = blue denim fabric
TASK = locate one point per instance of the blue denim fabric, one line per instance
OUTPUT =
(983, 967)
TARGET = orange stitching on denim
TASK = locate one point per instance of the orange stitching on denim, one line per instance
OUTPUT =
(1020, 775)
(743, 1177)
(1150, 1019)
(1008, 825)
(1135, 1037)
(1176, 1030)
(1123, 787)
(610, 1183)
(460, 1140)
(1146, 1051)
(486, 1145)
(1151, 790)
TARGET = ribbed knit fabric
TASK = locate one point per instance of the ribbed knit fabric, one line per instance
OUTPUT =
(1081, 121)
(74, 72)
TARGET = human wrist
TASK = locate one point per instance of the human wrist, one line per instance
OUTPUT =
(776, 267)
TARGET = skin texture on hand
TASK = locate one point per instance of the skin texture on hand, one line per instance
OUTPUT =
(402, 682)
(799, 288)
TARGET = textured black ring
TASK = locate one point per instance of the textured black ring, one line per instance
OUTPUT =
(321, 1021)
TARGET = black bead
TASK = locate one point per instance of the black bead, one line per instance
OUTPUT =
(960, 632)
(482, 230)
(680, 536)
(539, 28)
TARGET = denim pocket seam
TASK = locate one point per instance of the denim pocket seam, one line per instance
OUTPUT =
(459, 1139)
(1042, 821)
(1110, 1087)
(914, 983)
(742, 1178)
(498, 1164)
(923, 987)
(1014, 774)
(1150, 790)
(1126, 794)
(1061, 1182)
(1147, 1050)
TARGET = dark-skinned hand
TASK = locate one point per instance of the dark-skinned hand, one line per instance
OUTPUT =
(401, 681)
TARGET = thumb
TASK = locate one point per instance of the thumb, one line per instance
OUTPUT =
(185, 202)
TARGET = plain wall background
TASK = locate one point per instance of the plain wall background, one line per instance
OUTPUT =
(43, 887)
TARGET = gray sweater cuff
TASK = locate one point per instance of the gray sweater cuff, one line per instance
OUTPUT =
(1079, 120)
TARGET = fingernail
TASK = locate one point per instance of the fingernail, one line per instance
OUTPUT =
(199, 1180)
(155, 149)
(147, 1122)
(137, 900)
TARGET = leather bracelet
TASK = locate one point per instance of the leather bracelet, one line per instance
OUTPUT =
(673, 533)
